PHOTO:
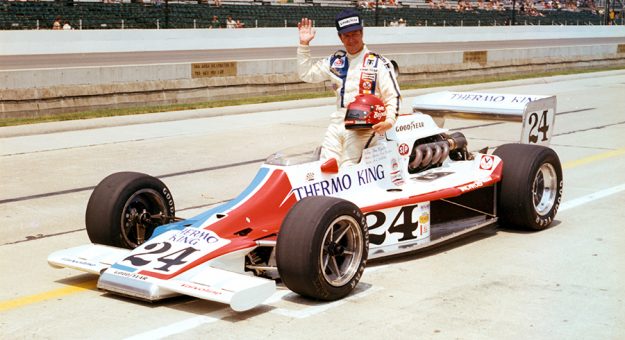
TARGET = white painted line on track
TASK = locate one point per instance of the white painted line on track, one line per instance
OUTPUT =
(591, 197)
(194, 322)
(175, 328)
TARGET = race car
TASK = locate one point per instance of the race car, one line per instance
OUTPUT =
(313, 225)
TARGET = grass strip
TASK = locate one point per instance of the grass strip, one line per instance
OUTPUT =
(277, 98)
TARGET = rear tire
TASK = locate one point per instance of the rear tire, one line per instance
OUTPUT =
(530, 191)
(119, 209)
(322, 247)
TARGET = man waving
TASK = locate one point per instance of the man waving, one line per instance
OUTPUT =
(354, 71)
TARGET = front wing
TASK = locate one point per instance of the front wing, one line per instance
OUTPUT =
(240, 291)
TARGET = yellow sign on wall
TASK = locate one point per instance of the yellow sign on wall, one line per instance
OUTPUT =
(217, 69)
(479, 57)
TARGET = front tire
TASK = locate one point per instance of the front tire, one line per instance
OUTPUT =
(126, 207)
(322, 247)
(530, 191)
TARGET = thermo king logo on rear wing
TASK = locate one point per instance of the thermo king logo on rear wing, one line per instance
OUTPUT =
(536, 113)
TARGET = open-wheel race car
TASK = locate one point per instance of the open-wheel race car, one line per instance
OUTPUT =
(313, 225)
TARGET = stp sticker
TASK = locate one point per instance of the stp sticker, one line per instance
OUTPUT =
(486, 163)
(403, 149)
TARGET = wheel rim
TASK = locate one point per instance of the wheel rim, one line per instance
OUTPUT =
(342, 251)
(135, 220)
(544, 189)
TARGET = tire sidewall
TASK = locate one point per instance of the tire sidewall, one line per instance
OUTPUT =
(320, 282)
(521, 163)
(300, 243)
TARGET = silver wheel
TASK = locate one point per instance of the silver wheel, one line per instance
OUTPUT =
(544, 189)
(342, 251)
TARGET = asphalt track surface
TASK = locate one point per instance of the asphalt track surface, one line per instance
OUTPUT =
(565, 282)
(165, 57)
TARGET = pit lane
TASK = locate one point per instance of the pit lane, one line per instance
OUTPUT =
(564, 282)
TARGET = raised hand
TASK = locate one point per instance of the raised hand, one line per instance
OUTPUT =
(306, 31)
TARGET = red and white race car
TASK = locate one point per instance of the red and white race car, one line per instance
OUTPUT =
(313, 225)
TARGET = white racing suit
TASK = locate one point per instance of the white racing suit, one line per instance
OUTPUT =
(351, 75)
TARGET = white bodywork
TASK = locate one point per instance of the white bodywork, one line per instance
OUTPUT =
(395, 201)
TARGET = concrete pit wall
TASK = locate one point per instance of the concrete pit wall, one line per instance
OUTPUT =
(27, 93)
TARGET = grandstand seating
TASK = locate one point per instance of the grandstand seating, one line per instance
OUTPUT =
(255, 13)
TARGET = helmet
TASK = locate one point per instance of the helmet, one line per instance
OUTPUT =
(365, 111)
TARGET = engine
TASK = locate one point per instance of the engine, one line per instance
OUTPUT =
(430, 152)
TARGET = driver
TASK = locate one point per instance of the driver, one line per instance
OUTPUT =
(353, 71)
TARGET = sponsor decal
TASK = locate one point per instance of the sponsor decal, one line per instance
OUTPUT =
(424, 223)
(473, 97)
(338, 184)
(396, 176)
(522, 99)
(487, 162)
(348, 21)
(370, 175)
(170, 201)
(85, 263)
(325, 187)
(379, 111)
(200, 288)
(194, 236)
(367, 81)
(432, 176)
(368, 74)
(424, 218)
(403, 149)
(471, 186)
(409, 127)
(310, 176)
(338, 63)
(130, 275)
(370, 61)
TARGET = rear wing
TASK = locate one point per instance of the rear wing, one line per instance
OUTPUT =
(536, 113)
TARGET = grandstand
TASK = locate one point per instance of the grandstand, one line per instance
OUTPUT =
(89, 14)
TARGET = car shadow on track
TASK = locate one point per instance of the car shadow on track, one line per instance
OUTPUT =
(284, 302)
(84, 281)
(554, 224)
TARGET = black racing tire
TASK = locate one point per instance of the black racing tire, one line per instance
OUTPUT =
(322, 248)
(116, 204)
(530, 191)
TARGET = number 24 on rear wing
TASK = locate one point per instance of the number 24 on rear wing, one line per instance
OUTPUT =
(536, 113)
